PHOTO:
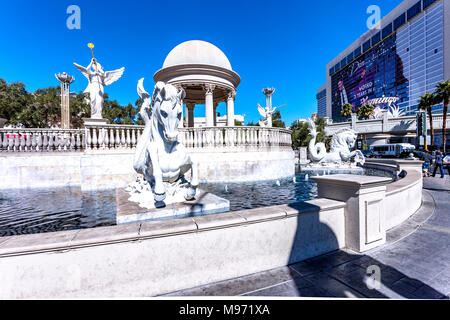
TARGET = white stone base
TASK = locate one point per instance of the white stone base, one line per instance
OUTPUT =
(129, 211)
(95, 122)
(106, 169)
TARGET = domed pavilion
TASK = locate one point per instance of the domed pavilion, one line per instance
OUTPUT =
(205, 73)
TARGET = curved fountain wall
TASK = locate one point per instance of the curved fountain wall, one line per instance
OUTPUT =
(404, 196)
(153, 258)
(100, 157)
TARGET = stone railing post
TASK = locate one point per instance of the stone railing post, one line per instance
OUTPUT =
(364, 196)
(385, 122)
(354, 121)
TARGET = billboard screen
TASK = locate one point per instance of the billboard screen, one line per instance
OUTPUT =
(376, 73)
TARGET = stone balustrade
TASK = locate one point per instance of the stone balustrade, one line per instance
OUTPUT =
(125, 137)
(235, 138)
(104, 137)
(41, 140)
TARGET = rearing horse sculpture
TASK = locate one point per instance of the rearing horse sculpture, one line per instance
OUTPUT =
(159, 156)
(341, 143)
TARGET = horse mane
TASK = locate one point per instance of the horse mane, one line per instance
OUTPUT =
(337, 141)
(170, 92)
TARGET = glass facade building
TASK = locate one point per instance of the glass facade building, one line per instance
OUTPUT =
(404, 59)
(322, 103)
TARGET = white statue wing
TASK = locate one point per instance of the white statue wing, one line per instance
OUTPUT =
(112, 76)
(146, 101)
(83, 70)
(85, 73)
(261, 111)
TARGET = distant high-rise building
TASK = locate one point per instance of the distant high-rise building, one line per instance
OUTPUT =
(405, 58)
(322, 101)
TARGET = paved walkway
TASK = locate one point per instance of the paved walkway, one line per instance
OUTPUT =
(414, 263)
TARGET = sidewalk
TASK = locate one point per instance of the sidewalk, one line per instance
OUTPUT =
(414, 263)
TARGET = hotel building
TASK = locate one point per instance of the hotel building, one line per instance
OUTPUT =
(404, 58)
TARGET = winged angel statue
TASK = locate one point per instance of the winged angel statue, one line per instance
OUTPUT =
(267, 115)
(97, 80)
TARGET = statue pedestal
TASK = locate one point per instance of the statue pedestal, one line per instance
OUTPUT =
(95, 122)
(204, 203)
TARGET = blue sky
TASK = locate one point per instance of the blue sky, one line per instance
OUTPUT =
(281, 44)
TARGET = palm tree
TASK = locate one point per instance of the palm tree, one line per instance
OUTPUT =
(365, 111)
(425, 103)
(442, 94)
(347, 110)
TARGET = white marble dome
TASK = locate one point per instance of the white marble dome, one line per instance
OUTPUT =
(197, 52)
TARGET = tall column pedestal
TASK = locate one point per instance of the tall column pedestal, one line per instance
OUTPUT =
(365, 226)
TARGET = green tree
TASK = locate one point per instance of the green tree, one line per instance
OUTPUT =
(442, 94)
(320, 127)
(237, 123)
(40, 109)
(79, 108)
(13, 99)
(118, 114)
(139, 120)
(252, 124)
(301, 136)
(276, 120)
(43, 111)
(425, 103)
(365, 111)
(347, 110)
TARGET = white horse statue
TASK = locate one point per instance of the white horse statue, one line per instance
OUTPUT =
(342, 142)
(159, 156)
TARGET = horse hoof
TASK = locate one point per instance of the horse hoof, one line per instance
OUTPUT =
(159, 197)
(190, 194)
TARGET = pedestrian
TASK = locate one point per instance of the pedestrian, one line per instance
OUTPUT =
(446, 163)
(427, 158)
(439, 163)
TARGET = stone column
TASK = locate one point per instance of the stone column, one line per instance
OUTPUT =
(365, 226)
(385, 121)
(209, 105)
(190, 114)
(230, 108)
(65, 81)
(354, 121)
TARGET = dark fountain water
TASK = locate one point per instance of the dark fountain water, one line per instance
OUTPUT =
(24, 211)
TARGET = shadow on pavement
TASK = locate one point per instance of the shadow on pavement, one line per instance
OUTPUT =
(341, 273)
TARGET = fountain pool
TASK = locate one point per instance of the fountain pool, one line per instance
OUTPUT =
(24, 211)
